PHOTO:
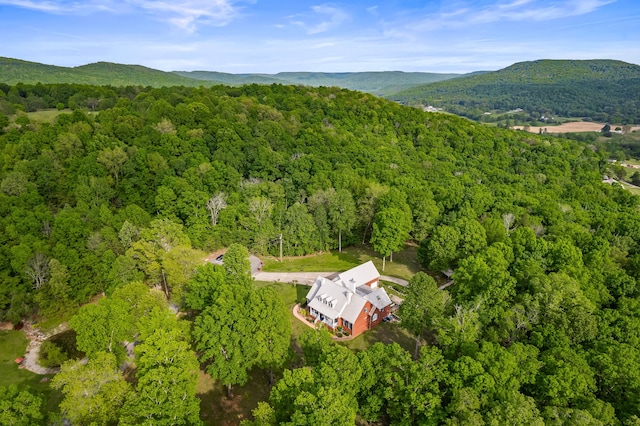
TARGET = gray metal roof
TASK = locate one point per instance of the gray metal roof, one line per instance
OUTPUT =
(337, 299)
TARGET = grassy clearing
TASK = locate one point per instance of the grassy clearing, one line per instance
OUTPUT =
(217, 409)
(385, 333)
(49, 324)
(405, 263)
(14, 344)
(46, 115)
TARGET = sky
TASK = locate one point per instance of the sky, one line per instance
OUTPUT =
(266, 36)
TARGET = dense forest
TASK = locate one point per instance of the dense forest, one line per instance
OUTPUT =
(128, 188)
(595, 90)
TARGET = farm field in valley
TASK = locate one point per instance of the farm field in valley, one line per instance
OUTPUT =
(571, 127)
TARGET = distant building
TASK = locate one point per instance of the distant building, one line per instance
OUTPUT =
(353, 300)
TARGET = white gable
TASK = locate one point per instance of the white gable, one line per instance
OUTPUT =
(359, 275)
(346, 296)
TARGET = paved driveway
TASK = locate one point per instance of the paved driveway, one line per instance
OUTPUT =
(306, 278)
(256, 263)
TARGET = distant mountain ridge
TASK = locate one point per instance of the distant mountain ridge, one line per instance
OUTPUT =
(13, 71)
(380, 83)
(603, 90)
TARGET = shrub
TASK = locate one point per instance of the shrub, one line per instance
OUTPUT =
(51, 355)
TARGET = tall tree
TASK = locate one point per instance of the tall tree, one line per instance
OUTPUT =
(113, 160)
(342, 213)
(273, 329)
(102, 328)
(423, 308)
(204, 288)
(167, 374)
(391, 228)
(94, 393)
(237, 265)
(215, 205)
(223, 334)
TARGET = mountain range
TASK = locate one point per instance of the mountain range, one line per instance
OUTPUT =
(599, 90)
(13, 71)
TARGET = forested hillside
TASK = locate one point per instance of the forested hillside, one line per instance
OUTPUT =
(14, 71)
(598, 90)
(133, 186)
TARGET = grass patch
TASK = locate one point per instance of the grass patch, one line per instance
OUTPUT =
(405, 263)
(321, 262)
(50, 323)
(46, 115)
(217, 409)
(392, 289)
(14, 345)
(385, 333)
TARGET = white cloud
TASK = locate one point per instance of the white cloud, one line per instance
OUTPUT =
(329, 17)
(61, 7)
(511, 11)
(186, 15)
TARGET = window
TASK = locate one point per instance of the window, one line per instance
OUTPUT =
(375, 317)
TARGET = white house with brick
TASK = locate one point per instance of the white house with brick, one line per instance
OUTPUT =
(352, 300)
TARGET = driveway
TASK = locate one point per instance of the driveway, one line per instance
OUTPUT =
(217, 258)
(395, 280)
(306, 278)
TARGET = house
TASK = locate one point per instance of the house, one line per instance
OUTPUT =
(352, 300)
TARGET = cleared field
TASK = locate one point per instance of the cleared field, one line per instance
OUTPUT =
(405, 263)
(571, 127)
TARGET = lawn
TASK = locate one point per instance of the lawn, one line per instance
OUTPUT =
(405, 263)
(217, 409)
(14, 344)
(386, 333)
(46, 115)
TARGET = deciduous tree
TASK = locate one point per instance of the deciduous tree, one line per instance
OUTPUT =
(94, 393)
(19, 407)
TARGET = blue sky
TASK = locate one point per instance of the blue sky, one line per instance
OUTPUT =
(270, 36)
